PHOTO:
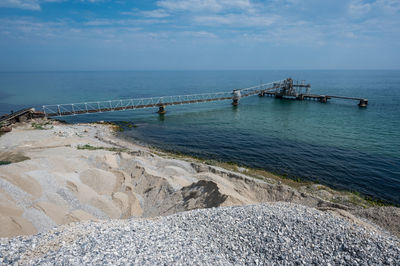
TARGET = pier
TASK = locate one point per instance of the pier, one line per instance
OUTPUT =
(362, 102)
(287, 88)
(301, 91)
(155, 102)
(279, 89)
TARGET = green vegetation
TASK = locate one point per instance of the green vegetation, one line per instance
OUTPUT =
(37, 126)
(87, 147)
(41, 126)
(357, 197)
(9, 158)
(92, 148)
(125, 124)
(114, 126)
(117, 126)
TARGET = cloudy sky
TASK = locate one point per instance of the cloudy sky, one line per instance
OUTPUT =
(199, 34)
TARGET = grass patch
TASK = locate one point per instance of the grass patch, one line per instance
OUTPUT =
(358, 198)
(93, 148)
(377, 202)
(124, 125)
(41, 126)
(87, 147)
(11, 157)
(37, 126)
(115, 127)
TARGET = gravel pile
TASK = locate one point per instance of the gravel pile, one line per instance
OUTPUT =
(278, 233)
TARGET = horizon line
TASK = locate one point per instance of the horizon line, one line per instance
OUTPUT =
(181, 70)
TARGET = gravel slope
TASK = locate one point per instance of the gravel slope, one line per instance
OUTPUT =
(276, 233)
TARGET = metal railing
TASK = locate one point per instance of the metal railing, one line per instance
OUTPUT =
(139, 103)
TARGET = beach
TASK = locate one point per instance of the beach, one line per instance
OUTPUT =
(60, 179)
(61, 173)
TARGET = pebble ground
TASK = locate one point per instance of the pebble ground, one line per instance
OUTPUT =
(264, 234)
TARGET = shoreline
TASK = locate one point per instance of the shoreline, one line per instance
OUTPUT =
(147, 182)
(360, 198)
(366, 193)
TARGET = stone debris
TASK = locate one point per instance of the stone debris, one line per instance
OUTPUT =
(263, 234)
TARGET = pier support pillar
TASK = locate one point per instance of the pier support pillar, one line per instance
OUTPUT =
(323, 99)
(261, 94)
(236, 97)
(300, 97)
(363, 103)
(161, 110)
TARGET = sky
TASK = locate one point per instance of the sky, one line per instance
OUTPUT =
(42, 35)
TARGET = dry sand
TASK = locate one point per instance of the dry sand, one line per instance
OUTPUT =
(51, 181)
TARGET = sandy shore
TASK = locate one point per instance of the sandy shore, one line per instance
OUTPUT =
(53, 174)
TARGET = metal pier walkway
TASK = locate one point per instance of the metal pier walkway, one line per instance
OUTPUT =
(160, 102)
(280, 89)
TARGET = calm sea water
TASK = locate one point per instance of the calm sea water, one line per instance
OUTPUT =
(337, 143)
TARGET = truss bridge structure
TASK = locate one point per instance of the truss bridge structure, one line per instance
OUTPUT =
(160, 102)
(286, 88)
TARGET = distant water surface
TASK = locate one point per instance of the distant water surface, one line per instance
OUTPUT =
(337, 143)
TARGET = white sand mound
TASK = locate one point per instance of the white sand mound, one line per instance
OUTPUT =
(62, 182)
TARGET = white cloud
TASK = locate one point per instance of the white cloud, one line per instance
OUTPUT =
(225, 22)
(23, 4)
(389, 6)
(239, 13)
(200, 34)
(237, 20)
(358, 8)
(32, 4)
(122, 22)
(350, 35)
(157, 13)
(204, 5)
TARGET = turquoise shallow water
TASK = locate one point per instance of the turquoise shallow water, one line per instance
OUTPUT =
(336, 143)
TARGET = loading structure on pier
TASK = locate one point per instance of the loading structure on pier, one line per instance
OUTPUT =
(280, 89)
(301, 91)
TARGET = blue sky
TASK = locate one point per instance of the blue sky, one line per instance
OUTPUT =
(194, 34)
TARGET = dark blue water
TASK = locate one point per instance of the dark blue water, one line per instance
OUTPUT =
(336, 143)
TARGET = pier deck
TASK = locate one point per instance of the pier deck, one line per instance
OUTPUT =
(291, 89)
(279, 89)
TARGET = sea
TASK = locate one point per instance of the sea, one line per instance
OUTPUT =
(337, 143)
